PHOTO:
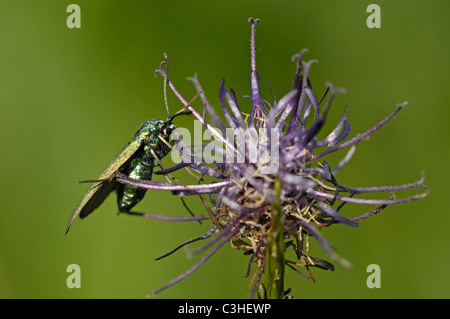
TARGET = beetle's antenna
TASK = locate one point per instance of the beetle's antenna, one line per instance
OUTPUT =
(166, 65)
(182, 111)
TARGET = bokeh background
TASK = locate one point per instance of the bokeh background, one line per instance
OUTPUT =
(71, 98)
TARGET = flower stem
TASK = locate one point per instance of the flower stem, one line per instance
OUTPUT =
(274, 271)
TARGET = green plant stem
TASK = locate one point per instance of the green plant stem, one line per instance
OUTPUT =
(274, 269)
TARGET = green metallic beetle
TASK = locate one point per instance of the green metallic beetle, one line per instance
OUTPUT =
(135, 160)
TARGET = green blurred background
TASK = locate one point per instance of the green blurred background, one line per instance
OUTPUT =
(71, 98)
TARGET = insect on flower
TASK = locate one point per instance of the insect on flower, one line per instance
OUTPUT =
(136, 160)
(266, 212)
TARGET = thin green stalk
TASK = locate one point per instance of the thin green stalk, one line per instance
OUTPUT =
(274, 271)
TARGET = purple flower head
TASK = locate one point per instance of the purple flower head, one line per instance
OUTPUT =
(274, 190)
